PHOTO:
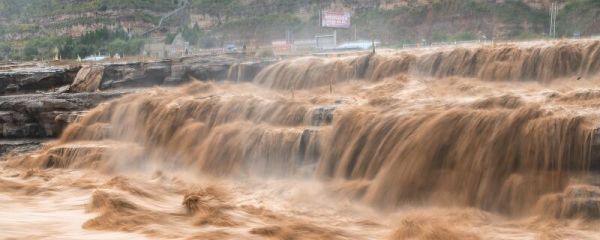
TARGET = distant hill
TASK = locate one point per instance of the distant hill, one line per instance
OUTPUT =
(393, 22)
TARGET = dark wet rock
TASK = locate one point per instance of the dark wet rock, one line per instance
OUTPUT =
(137, 74)
(165, 72)
(322, 115)
(245, 72)
(207, 68)
(578, 201)
(595, 153)
(45, 115)
(309, 150)
(362, 65)
(27, 79)
(20, 146)
(61, 94)
(178, 73)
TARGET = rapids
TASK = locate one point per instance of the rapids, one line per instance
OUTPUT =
(467, 143)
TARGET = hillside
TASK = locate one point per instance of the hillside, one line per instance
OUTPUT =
(209, 23)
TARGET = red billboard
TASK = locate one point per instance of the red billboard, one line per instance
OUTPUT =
(335, 19)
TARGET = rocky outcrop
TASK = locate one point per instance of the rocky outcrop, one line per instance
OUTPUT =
(577, 201)
(165, 72)
(44, 100)
(245, 72)
(88, 79)
(32, 78)
(45, 115)
(214, 68)
(135, 74)
(323, 115)
(20, 145)
(595, 151)
(208, 68)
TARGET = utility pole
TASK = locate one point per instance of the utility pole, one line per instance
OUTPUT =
(335, 37)
(320, 17)
(553, 15)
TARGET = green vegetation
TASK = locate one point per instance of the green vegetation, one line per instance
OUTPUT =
(169, 38)
(443, 37)
(452, 20)
(224, 9)
(262, 28)
(101, 41)
(217, 8)
(581, 16)
(242, 21)
(34, 8)
(391, 25)
(193, 34)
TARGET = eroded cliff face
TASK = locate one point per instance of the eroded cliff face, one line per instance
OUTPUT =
(44, 115)
(38, 101)
(15, 78)
(390, 4)
(142, 18)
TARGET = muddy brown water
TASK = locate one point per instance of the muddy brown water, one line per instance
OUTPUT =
(479, 143)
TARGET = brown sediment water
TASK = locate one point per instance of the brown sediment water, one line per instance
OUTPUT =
(468, 143)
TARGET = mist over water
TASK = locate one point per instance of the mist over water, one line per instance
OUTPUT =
(469, 143)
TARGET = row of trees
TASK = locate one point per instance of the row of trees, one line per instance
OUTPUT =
(102, 41)
(195, 36)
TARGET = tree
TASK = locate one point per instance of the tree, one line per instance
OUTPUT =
(30, 51)
(192, 35)
(217, 8)
(169, 38)
(5, 50)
